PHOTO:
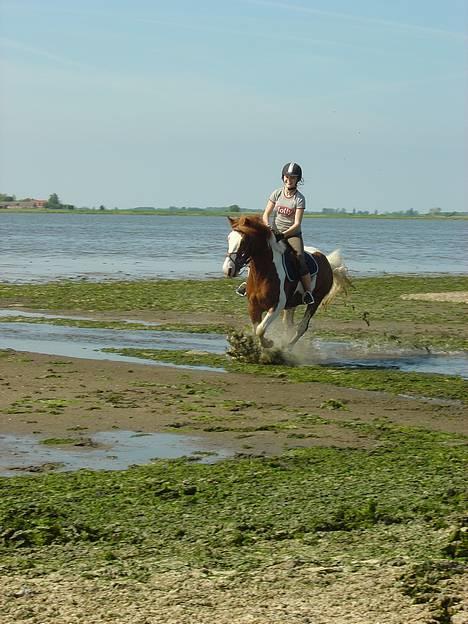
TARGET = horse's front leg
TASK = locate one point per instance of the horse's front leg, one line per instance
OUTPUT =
(266, 343)
(268, 319)
(256, 313)
(304, 324)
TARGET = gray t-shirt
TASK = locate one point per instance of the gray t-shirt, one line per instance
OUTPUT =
(285, 208)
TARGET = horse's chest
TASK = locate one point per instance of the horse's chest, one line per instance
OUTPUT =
(266, 292)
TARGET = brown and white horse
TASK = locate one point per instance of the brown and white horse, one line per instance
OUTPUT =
(269, 290)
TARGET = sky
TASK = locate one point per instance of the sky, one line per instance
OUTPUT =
(129, 103)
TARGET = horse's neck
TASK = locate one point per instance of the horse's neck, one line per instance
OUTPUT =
(268, 257)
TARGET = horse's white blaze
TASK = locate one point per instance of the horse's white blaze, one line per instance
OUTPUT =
(234, 240)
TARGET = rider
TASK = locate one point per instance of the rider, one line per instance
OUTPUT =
(287, 205)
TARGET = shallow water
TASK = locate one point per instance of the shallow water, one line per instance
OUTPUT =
(81, 342)
(113, 450)
(358, 355)
(88, 343)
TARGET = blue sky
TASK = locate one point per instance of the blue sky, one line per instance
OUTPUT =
(131, 103)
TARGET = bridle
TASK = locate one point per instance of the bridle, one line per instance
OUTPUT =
(239, 258)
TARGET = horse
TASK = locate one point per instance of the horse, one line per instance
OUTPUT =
(271, 289)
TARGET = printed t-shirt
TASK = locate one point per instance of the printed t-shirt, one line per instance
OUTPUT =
(285, 208)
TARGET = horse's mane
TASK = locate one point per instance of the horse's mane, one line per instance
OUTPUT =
(251, 225)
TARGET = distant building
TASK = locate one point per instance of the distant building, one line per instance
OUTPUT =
(23, 203)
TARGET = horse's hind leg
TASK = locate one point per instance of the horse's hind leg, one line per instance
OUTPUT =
(304, 324)
(288, 322)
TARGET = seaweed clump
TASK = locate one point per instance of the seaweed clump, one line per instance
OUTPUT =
(246, 348)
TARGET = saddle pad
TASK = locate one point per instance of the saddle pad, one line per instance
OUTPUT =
(290, 268)
(311, 263)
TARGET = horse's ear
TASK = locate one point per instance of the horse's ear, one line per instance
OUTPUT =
(232, 221)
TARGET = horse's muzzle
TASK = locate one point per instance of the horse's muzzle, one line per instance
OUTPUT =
(229, 268)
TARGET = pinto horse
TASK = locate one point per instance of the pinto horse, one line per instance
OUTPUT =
(270, 289)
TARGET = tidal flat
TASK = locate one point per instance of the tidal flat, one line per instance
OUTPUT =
(345, 499)
(376, 309)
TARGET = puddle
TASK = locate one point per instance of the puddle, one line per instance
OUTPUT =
(14, 312)
(109, 450)
(80, 342)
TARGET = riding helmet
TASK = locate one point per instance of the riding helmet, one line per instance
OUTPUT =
(292, 169)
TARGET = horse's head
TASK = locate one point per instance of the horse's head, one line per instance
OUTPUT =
(237, 256)
(249, 237)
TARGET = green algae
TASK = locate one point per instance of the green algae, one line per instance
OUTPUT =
(393, 382)
(402, 498)
(187, 357)
(159, 295)
(373, 304)
(378, 297)
(58, 441)
(29, 405)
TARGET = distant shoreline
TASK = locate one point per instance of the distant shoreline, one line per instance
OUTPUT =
(219, 213)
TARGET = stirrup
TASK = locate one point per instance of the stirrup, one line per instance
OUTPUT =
(241, 290)
(308, 298)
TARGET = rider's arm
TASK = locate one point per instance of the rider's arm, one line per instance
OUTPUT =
(296, 226)
(267, 212)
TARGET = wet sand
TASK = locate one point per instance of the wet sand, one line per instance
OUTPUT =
(50, 396)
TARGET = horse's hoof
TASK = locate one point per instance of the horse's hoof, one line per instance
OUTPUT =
(266, 344)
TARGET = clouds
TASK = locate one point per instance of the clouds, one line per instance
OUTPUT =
(364, 20)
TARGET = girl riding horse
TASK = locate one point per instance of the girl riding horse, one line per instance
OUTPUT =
(270, 289)
(287, 205)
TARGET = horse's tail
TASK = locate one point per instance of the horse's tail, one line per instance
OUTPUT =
(341, 278)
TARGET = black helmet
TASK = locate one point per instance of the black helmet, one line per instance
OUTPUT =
(292, 169)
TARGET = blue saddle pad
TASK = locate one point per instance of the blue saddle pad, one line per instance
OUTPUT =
(311, 263)
(290, 267)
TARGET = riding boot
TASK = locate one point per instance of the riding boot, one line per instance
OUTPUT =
(307, 297)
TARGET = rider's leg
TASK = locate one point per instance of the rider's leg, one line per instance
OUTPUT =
(307, 297)
(297, 244)
(306, 280)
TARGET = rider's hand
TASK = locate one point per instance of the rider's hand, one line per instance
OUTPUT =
(279, 236)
